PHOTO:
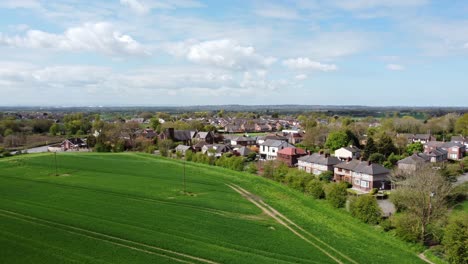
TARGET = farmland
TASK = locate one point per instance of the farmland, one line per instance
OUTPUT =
(132, 208)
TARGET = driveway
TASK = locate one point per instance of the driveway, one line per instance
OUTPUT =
(461, 179)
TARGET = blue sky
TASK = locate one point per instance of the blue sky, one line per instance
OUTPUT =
(189, 52)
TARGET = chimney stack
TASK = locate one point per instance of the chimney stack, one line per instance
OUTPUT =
(369, 163)
(321, 152)
(327, 155)
(348, 159)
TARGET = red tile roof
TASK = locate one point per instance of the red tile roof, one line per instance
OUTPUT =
(292, 151)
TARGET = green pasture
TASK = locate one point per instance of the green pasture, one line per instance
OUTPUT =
(132, 208)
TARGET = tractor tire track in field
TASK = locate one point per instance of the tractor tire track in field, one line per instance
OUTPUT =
(177, 256)
(293, 227)
(127, 196)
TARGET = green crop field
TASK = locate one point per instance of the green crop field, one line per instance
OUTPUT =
(132, 208)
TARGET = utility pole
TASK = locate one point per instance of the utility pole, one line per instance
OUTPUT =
(185, 191)
(55, 158)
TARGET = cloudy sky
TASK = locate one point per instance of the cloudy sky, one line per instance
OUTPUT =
(192, 52)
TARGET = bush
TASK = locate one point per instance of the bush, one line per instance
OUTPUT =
(407, 227)
(315, 189)
(252, 168)
(366, 209)
(326, 176)
(456, 239)
(280, 172)
(373, 191)
(336, 194)
(297, 179)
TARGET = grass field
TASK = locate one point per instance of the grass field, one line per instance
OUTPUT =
(131, 208)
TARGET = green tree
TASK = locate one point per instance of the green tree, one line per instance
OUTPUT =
(336, 194)
(455, 239)
(385, 145)
(377, 158)
(461, 125)
(54, 129)
(280, 172)
(315, 189)
(369, 149)
(337, 140)
(366, 209)
(417, 147)
(155, 124)
(164, 146)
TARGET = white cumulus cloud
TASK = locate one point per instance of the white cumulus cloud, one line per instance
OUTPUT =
(395, 67)
(98, 37)
(308, 64)
(224, 53)
(301, 77)
(136, 6)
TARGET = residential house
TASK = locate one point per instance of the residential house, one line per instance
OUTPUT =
(73, 144)
(216, 150)
(350, 152)
(455, 151)
(363, 175)
(183, 149)
(317, 163)
(199, 145)
(294, 138)
(208, 137)
(263, 127)
(413, 162)
(184, 136)
(290, 155)
(242, 141)
(243, 151)
(148, 133)
(461, 140)
(269, 149)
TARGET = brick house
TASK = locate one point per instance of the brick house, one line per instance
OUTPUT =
(317, 163)
(363, 175)
(290, 155)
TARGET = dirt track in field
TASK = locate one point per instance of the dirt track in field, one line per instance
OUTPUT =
(293, 227)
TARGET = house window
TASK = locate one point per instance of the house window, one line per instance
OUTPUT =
(453, 156)
(357, 182)
(340, 170)
(365, 184)
(273, 150)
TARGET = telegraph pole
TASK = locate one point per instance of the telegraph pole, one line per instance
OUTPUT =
(185, 191)
(55, 158)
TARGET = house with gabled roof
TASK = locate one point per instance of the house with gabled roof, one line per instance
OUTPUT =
(350, 152)
(269, 149)
(73, 144)
(413, 162)
(208, 137)
(363, 175)
(290, 155)
(317, 163)
(184, 136)
(455, 151)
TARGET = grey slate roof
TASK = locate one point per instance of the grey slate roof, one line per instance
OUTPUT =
(320, 159)
(353, 149)
(363, 167)
(275, 143)
(244, 151)
(415, 159)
